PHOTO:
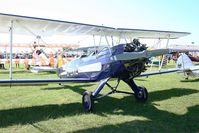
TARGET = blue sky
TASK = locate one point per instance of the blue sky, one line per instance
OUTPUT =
(174, 15)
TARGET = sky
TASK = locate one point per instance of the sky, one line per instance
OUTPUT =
(171, 15)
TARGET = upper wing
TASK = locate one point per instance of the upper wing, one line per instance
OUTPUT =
(42, 26)
(153, 34)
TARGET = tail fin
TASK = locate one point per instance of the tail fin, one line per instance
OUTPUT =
(184, 62)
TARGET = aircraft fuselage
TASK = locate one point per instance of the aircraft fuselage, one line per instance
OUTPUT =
(102, 65)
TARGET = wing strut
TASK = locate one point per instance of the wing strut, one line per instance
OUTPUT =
(112, 41)
(160, 67)
(11, 42)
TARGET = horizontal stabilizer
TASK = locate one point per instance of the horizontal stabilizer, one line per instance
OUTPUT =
(195, 68)
(43, 69)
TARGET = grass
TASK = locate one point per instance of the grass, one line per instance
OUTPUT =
(173, 106)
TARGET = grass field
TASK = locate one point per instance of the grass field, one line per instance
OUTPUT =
(173, 106)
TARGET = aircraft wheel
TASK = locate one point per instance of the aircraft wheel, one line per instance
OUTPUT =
(87, 101)
(142, 94)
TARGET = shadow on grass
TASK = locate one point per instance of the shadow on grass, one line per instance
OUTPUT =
(29, 115)
(139, 79)
(46, 73)
(69, 87)
(158, 120)
(190, 80)
(77, 88)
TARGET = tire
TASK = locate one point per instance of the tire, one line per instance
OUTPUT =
(142, 94)
(87, 101)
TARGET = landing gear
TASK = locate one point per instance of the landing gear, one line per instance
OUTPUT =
(87, 101)
(88, 98)
(142, 94)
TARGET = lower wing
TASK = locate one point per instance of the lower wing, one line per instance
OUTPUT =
(159, 72)
(42, 81)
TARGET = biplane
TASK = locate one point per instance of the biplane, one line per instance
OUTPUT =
(120, 61)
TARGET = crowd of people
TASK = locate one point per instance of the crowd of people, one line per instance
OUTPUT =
(35, 58)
